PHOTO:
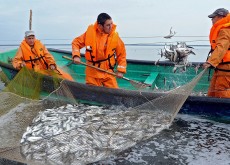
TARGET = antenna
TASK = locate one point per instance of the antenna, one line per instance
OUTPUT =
(30, 22)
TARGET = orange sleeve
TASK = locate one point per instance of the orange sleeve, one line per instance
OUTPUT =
(222, 45)
(18, 58)
(48, 57)
(121, 56)
(77, 44)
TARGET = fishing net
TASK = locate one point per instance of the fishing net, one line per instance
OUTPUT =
(42, 123)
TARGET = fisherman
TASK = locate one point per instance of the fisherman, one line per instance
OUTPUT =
(34, 55)
(220, 54)
(104, 49)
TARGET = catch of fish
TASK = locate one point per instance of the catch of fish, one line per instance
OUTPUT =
(177, 53)
(82, 134)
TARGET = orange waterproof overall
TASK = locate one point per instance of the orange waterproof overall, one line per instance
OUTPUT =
(103, 51)
(37, 58)
(220, 58)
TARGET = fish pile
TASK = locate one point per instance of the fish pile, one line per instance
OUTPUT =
(177, 53)
(81, 134)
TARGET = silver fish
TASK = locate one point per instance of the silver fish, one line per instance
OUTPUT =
(171, 34)
(89, 133)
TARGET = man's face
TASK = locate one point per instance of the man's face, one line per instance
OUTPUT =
(107, 27)
(216, 18)
(30, 40)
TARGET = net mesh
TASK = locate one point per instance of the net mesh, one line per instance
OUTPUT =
(42, 123)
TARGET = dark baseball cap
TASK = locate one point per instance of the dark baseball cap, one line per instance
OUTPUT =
(221, 12)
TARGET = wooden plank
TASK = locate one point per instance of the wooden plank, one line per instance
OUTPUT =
(151, 78)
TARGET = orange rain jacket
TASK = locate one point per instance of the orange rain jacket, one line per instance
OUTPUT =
(220, 58)
(37, 58)
(102, 50)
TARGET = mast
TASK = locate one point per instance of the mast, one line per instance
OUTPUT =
(30, 21)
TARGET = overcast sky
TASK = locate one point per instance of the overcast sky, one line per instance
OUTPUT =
(66, 19)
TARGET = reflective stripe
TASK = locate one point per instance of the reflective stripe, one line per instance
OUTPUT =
(119, 66)
(88, 48)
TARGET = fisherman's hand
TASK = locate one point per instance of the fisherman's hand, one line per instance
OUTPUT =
(52, 67)
(119, 74)
(23, 64)
(206, 65)
(77, 60)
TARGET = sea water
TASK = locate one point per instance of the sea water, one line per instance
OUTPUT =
(136, 48)
(152, 52)
(190, 140)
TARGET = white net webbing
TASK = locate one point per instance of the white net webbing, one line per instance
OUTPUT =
(57, 130)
